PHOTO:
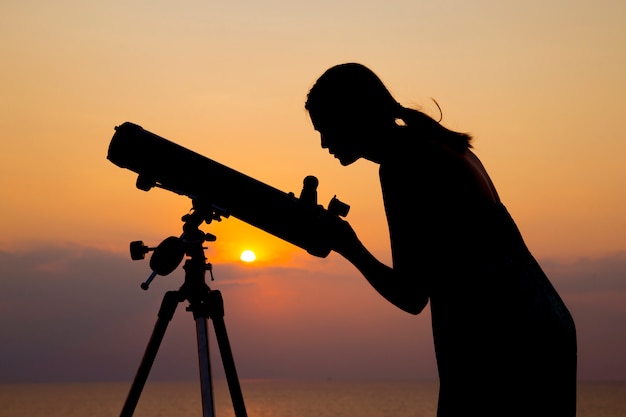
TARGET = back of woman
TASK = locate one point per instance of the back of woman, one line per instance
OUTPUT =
(504, 339)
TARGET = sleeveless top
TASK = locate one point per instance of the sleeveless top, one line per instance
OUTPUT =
(504, 340)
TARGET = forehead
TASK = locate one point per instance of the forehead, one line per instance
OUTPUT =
(332, 119)
(322, 118)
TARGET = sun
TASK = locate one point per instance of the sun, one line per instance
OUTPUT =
(247, 256)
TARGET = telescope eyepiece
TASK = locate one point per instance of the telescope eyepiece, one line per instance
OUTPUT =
(338, 207)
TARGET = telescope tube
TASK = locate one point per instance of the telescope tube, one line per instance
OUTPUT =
(165, 164)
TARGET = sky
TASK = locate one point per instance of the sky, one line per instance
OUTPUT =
(538, 84)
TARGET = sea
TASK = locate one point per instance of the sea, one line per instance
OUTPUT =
(264, 398)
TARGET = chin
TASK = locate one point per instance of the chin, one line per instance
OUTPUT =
(346, 162)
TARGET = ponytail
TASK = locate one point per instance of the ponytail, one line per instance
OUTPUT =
(426, 126)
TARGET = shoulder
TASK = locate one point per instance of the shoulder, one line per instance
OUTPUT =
(422, 159)
(439, 175)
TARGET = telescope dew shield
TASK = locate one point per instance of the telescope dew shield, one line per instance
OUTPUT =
(165, 164)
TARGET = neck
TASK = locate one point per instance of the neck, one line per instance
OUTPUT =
(392, 144)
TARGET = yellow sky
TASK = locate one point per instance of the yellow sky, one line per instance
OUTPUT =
(540, 86)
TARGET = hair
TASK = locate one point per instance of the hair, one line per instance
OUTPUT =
(354, 90)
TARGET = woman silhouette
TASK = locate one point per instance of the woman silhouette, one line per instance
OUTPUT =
(504, 340)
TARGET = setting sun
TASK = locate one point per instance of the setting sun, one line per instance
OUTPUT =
(247, 256)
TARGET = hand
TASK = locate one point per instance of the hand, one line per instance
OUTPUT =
(342, 237)
(330, 232)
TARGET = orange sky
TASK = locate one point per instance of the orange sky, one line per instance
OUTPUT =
(540, 86)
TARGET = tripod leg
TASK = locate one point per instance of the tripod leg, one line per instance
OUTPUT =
(217, 315)
(204, 362)
(166, 313)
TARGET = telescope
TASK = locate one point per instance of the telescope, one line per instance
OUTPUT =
(225, 191)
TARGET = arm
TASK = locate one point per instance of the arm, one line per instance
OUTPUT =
(400, 288)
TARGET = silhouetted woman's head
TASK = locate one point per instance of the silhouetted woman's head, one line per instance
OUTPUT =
(351, 93)
(351, 108)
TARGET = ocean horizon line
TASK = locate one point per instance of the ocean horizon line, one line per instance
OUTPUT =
(269, 379)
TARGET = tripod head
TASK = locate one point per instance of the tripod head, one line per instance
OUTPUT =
(203, 303)
(168, 255)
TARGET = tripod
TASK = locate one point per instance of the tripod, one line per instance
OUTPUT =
(204, 303)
